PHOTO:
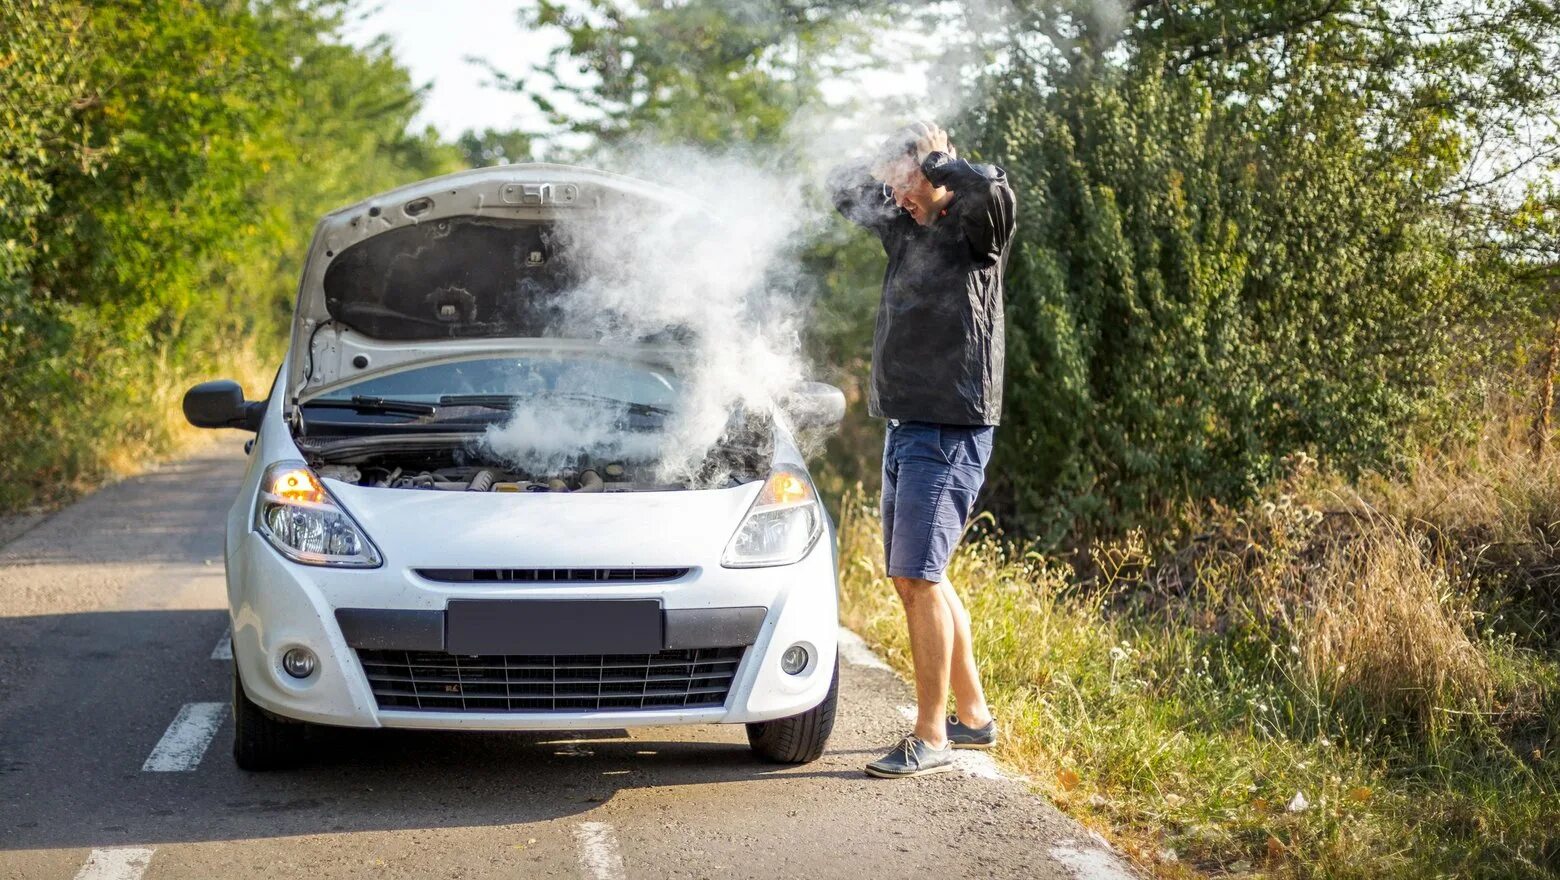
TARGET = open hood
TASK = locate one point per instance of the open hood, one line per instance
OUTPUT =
(454, 266)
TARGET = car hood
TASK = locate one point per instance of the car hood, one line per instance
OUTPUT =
(428, 529)
(454, 266)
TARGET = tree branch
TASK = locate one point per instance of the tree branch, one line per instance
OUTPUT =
(1272, 28)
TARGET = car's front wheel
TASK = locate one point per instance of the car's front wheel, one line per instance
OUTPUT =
(798, 739)
(260, 740)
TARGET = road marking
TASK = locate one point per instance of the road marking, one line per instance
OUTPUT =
(977, 764)
(224, 648)
(126, 863)
(185, 742)
(1090, 863)
(599, 852)
(856, 652)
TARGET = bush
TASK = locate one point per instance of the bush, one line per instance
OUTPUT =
(1376, 652)
(161, 166)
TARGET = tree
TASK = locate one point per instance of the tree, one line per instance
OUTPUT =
(167, 160)
(494, 147)
(1245, 228)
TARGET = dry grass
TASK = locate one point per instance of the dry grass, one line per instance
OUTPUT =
(1387, 623)
(1376, 649)
(118, 425)
(1492, 490)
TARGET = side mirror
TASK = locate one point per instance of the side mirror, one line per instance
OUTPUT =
(221, 404)
(815, 405)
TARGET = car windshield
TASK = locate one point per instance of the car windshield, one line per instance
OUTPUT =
(606, 381)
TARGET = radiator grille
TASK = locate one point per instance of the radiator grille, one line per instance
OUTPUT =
(550, 575)
(437, 682)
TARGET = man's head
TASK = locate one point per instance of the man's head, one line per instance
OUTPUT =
(898, 165)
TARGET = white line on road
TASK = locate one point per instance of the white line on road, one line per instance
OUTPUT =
(1090, 863)
(185, 742)
(224, 648)
(599, 851)
(856, 652)
(126, 863)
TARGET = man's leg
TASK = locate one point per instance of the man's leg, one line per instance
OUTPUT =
(969, 697)
(931, 649)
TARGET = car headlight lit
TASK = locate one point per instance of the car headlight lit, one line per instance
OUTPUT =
(302, 521)
(781, 526)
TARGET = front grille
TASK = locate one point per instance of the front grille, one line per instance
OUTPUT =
(550, 575)
(431, 681)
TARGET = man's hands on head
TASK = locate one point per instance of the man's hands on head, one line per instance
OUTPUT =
(899, 165)
(899, 161)
(928, 138)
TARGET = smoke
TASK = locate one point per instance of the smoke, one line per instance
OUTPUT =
(716, 274)
(723, 273)
(564, 435)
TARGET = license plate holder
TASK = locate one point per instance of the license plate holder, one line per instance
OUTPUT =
(553, 626)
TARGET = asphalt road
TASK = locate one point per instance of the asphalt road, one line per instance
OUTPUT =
(112, 620)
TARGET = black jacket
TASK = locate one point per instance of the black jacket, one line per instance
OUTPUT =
(937, 350)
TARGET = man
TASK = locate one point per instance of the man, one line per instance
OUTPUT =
(937, 378)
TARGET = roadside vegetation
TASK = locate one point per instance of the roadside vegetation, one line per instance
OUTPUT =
(1346, 680)
(161, 167)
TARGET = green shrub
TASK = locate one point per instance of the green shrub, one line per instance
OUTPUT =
(167, 161)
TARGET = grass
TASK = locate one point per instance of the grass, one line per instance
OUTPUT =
(1341, 681)
(110, 423)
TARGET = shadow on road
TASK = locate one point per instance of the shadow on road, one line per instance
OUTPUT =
(85, 697)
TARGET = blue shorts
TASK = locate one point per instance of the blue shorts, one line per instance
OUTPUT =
(931, 475)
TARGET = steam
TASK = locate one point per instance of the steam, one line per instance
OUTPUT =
(717, 278)
(723, 274)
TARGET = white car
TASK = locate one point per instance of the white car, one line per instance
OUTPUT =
(383, 570)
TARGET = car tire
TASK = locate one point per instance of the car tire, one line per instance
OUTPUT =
(798, 739)
(261, 741)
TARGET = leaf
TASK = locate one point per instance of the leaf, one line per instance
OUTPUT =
(1275, 847)
(1359, 793)
(1067, 779)
(1298, 803)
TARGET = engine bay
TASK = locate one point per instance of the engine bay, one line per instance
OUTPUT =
(461, 462)
(608, 477)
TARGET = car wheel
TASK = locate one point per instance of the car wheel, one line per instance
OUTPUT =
(798, 739)
(261, 741)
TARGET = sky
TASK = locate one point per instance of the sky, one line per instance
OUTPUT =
(433, 40)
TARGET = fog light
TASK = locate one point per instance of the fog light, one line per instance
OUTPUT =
(794, 660)
(298, 662)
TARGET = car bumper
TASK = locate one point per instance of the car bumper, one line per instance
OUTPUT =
(277, 605)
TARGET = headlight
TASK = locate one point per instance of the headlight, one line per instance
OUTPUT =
(299, 518)
(781, 526)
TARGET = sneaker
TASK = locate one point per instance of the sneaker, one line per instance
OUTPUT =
(963, 736)
(912, 757)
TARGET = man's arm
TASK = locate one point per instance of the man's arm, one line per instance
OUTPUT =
(984, 206)
(859, 197)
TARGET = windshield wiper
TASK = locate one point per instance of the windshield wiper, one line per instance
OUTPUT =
(491, 401)
(363, 403)
(508, 401)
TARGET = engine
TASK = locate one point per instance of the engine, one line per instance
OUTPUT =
(608, 477)
(462, 462)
